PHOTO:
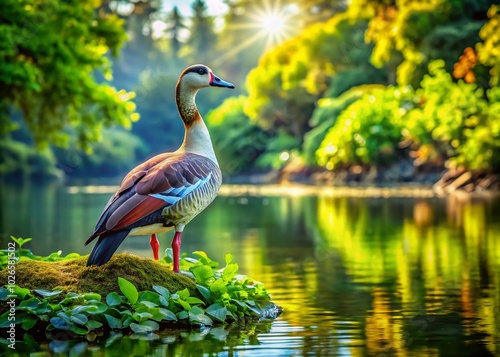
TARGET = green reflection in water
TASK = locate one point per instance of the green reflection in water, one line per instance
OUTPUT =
(356, 276)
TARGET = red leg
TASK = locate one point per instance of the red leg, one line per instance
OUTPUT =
(155, 246)
(176, 248)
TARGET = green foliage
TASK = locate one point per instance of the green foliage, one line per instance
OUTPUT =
(277, 151)
(366, 132)
(26, 254)
(409, 35)
(238, 142)
(22, 160)
(228, 296)
(284, 87)
(223, 297)
(488, 52)
(454, 121)
(49, 53)
(444, 121)
(109, 157)
(325, 116)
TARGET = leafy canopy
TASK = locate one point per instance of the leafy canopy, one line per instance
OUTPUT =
(50, 53)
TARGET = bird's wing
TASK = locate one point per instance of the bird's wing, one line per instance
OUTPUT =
(150, 188)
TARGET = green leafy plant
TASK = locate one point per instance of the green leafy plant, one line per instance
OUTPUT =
(26, 254)
(222, 296)
(367, 132)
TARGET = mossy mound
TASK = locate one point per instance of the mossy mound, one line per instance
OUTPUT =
(73, 275)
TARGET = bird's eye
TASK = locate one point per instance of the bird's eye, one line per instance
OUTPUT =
(201, 71)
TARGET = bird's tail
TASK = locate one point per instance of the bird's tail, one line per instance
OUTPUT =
(106, 245)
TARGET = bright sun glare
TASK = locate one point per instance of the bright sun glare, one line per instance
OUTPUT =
(269, 20)
(272, 24)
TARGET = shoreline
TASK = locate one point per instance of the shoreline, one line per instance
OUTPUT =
(299, 189)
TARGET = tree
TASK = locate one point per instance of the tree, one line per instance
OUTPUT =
(489, 49)
(325, 58)
(202, 39)
(408, 35)
(49, 52)
(175, 26)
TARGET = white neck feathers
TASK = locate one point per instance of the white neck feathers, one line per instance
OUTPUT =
(197, 141)
(197, 138)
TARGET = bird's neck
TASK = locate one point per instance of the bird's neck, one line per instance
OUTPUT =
(196, 138)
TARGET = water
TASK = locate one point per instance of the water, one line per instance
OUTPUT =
(356, 276)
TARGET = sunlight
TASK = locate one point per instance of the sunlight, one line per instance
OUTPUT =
(269, 20)
(272, 24)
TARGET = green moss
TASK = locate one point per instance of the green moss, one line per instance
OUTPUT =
(73, 275)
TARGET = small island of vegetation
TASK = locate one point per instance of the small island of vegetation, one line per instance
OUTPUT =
(131, 294)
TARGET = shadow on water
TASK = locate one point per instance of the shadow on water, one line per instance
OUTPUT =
(356, 276)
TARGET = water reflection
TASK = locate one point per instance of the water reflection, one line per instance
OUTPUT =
(356, 276)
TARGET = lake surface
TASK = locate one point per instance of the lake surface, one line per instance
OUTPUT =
(356, 276)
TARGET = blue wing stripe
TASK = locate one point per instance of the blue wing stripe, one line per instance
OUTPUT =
(174, 195)
(169, 199)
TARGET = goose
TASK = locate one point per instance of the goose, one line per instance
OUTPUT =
(167, 191)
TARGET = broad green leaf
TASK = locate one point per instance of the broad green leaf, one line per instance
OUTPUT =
(149, 296)
(205, 259)
(29, 304)
(113, 299)
(142, 316)
(127, 321)
(101, 307)
(42, 308)
(113, 322)
(84, 308)
(204, 274)
(194, 300)
(183, 294)
(168, 315)
(79, 319)
(93, 324)
(155, 311)
(92, 296)
(229, 259)
(47, 293)
(29, 322)
(163, 301)
(182, 315)
(184, 304)
(162, 291)
(21, 293)
(78, 330)
(148, 304)
(59, 323)
(152, 324)
(230, 271)
(205, 292)
(219, 286)
(217, 311)
(196, 310)
(128, 289)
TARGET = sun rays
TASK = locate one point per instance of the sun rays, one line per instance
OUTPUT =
(270, 21)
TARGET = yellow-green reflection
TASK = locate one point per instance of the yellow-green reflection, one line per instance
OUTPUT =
(357, 276)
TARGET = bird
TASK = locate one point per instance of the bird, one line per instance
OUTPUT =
(167, 191)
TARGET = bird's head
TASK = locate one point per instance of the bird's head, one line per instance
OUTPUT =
(200, 76)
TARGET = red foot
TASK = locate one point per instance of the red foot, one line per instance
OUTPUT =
(155, 246)
(176, 248)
